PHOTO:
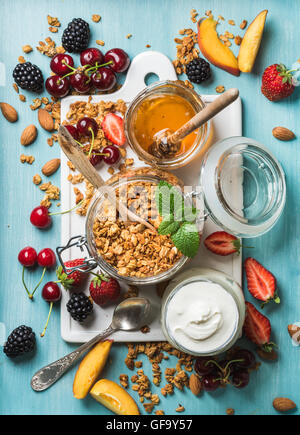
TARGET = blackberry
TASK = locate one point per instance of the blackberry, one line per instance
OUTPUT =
(21, 340)
(76, 36)
(28, 77)
(79, 306)
(198, 70)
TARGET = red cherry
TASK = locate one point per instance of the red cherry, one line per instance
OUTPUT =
(46, 258)
(204, 366)
(91, 56)
(80, 82)
(241, 378)
(95, 159)
(73, 131)
(113, 154)
(51, 292)
(210, 383)
(85, 125)
(104, 79)
(120, 59)
(57, 86)
(40, 217)
(59, 64)
(27, 256)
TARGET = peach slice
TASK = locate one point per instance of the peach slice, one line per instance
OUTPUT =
(213, 48)
(90, 368)
(251, 42)
(114, 397)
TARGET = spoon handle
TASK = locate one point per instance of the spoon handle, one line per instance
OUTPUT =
(205, 115)
(49, 374)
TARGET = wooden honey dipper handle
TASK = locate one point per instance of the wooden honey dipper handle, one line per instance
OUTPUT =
(204, 115)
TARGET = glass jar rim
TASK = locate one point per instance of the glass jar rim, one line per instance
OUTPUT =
(215, 201)
(227, 283)
(177, 161)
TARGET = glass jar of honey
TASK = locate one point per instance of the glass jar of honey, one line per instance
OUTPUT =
(164, 105)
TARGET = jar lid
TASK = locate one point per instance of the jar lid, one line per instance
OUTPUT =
(243, 185)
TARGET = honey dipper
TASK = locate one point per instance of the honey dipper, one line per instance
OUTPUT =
(75, 154)
(167, 143)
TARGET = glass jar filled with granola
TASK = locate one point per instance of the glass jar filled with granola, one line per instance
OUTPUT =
(165, 105)
(129, 250)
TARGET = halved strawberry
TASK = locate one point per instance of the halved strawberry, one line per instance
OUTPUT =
(222, 243)
(73, 279)
(113, 127)
(257, 328)
(261, 282)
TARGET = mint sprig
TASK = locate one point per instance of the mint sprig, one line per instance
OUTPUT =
(179, 220)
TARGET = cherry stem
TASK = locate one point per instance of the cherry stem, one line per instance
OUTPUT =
(96, 66)
(67, 75)
(66, 211)
(25, 286)
(101, 154)
(69, 66)
(38, 284)
(93, 139)
(50, 311)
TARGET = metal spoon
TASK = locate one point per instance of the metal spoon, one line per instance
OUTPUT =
(128, 315)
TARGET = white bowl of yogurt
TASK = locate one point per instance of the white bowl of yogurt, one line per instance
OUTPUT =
(203, 312)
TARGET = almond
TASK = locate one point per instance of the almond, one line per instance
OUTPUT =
(283, 133)
(29, 135)
(50, 167)
(282, 404)
(195, 384)
(9, 112)
(45, 120)
(294, 331)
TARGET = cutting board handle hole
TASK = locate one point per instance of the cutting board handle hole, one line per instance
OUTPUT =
(151, 78)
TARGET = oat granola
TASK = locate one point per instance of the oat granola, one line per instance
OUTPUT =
(27, 159)
(96, 18)
(130, 248)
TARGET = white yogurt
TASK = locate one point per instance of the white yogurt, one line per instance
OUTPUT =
(202, 317)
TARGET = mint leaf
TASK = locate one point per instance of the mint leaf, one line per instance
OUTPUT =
(167, 198)
(187, 239)
(168, 226)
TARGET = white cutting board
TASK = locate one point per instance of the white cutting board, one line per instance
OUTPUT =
(226, 124)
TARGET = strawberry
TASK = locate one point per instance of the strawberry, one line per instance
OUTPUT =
(277, 82)
(258, 328)
(261, 282)
(113, 127)
(73, 279)
(104, 289)
(222, 243)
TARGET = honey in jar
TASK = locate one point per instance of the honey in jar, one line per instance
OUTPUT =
(160, 112)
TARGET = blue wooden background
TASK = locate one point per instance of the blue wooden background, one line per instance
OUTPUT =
(155, 23)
